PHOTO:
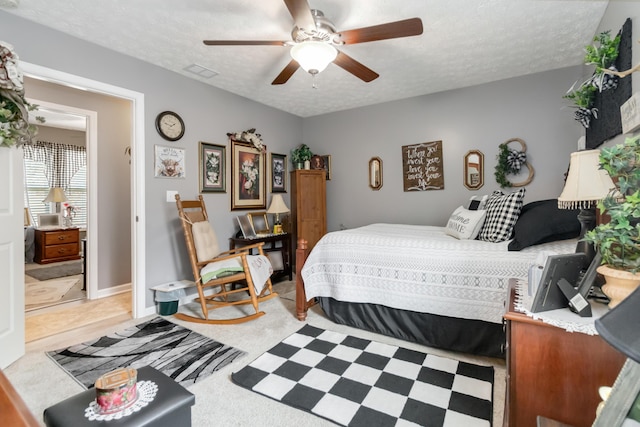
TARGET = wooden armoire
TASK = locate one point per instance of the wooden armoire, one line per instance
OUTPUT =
(308, 206)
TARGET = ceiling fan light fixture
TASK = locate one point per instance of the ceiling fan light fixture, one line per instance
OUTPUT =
(313, 56)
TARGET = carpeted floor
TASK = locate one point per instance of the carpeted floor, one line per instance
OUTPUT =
(218, 400)
(359, 383)
(180, 353)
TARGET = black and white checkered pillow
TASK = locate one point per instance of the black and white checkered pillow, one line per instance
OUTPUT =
(502, 213)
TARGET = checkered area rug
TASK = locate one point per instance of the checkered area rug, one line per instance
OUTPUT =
(357, 382)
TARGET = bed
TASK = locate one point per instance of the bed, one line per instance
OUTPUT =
(421, 284)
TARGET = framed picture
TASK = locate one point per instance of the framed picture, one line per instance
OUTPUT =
(169, 162)
(248, 186)
(327, 165)
(259, 222)
(213, 168)
(278, 173)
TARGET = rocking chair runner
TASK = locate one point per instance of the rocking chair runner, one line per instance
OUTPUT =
(231, 267)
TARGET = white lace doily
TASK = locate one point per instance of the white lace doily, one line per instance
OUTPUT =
(146, 393)
(562, 318)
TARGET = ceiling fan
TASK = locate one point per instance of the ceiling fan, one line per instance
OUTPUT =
(314, 37)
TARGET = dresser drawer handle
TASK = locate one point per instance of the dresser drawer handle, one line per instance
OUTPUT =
(62, 237)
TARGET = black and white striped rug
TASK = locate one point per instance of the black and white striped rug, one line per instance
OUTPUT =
(358, 382)
(179, 353)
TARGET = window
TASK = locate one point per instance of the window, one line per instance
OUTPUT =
(69, 172)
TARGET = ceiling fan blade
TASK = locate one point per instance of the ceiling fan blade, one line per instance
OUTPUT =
(244, 43)
(390, 30)
(301, 13)
(354, 67)
(286, 74)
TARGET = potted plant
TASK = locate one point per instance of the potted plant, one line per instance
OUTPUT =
(300, 156)
(603, 55)
(618, 240)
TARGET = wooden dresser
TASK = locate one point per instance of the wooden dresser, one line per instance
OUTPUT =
(554, 373)
(57, 245)
(308, 206)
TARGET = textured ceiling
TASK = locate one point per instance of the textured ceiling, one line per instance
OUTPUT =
(465, 42)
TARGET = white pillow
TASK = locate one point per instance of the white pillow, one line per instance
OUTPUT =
(465, 224)
(205, 241)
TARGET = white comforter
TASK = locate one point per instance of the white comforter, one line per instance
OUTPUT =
(418, 268)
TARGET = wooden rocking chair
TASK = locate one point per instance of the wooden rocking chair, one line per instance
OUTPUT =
(227, 268)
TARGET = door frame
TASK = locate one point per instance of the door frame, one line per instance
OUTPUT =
(138, 245)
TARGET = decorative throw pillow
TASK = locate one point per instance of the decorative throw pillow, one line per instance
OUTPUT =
(502, 213)
(205, 241)
(542, 221)
(465, 224)
(220, 269)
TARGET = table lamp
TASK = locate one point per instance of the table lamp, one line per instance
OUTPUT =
(585, 186)
(56, 195)
(277, 207)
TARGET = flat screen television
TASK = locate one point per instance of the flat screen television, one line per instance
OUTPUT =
(49, 221)
(567, 266)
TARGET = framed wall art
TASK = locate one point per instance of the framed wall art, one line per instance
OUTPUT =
(278, 173)
(327, 165)
(169, 162)
(213, 168)
(422, 166)
(248, 177)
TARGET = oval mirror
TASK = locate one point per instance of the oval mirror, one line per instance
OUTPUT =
(474, 170)
(375, 173)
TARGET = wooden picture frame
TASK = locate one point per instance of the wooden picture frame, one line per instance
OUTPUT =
(259, 222)
(278, 173)
(169, 162)
(213, 168)
(248, 177)
(327, 165)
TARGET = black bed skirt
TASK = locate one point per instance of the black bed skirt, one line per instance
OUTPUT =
(449, 333)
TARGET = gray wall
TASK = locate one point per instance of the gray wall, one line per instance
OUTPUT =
(482, 117)
(61, 136)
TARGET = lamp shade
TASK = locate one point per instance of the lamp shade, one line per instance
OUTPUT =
(277, 205)
(56, 195)
(619, 326)
(586, 183)
(313, 56)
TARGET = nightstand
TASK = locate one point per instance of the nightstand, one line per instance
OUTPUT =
(62, 244)
(552, 373)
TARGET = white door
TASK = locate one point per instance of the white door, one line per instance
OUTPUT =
(11, 256)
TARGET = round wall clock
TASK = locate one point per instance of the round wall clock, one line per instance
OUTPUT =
(170, 125)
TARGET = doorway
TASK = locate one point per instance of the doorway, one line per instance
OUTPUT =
(68, 133)
(137, 224)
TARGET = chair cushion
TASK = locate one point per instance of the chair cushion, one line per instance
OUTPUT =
(220, 269)
(205, 241)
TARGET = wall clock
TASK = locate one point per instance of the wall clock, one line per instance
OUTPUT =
(170, 125)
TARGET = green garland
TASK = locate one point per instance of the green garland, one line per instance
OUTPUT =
(502, 168)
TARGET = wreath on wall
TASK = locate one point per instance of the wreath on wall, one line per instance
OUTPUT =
(510, 162)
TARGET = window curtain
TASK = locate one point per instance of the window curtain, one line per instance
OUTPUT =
(61, 161)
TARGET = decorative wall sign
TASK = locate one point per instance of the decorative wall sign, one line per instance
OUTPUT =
(630, 114)
(422, 166)
(169, 162)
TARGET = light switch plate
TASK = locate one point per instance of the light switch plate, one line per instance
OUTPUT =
(171, 196)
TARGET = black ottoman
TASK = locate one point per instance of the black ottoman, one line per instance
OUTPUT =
(171, 406)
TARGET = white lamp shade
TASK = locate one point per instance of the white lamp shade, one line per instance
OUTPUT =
(586, 183)
(277, 205)
(313, 56)
(56, 195)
